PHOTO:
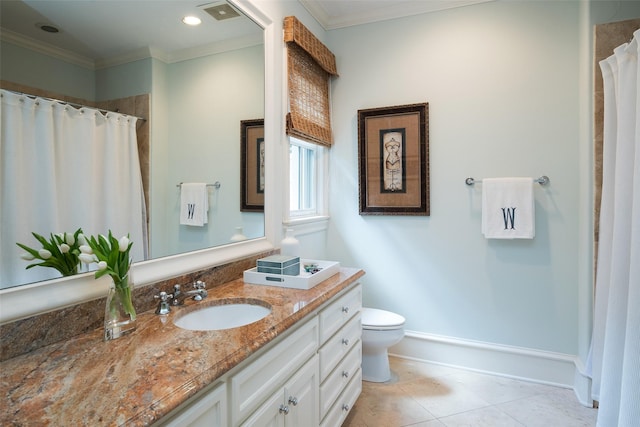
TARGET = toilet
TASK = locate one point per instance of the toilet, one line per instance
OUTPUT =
(380, 330)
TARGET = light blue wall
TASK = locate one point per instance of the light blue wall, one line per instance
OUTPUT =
(24, 66)
(121, 81)
(30, 68)
(209, 97)
(196, 110)
(501, 80)
(509, 88)
(605, 11)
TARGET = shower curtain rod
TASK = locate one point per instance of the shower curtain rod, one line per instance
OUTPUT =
(73, 104)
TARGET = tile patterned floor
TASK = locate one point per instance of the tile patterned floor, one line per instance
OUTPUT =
(427, 395)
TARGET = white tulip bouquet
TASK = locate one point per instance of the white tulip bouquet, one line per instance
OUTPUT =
(112, 257)
(61, 252)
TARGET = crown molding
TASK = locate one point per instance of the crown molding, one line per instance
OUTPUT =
(136, 55)
(392, 10)
(46, 49)
(214, 48)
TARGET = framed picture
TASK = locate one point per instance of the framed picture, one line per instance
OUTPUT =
(393, 160)
(252, 165)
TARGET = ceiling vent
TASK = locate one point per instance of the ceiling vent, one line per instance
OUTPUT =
(221, 11)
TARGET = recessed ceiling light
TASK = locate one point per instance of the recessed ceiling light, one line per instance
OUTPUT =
(48, 28)
(191, 20)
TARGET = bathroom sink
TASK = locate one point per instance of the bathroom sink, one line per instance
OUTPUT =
(225, 315)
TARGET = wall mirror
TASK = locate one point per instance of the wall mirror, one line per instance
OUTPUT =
(203, 81)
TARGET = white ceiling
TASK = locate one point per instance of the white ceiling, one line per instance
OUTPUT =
(101, 30)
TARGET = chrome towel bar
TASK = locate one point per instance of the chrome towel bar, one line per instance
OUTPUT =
(543, 180)
(215, 184)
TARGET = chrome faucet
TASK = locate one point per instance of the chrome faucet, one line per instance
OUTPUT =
(198, 293)
(163, 306)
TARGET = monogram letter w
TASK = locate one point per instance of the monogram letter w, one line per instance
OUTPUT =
(509, 217)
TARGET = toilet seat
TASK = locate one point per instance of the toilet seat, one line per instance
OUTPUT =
(381, 320)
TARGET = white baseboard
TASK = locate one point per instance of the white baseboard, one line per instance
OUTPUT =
(562, 370)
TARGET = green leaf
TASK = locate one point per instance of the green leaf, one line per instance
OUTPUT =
(28, 249)
(41, 239)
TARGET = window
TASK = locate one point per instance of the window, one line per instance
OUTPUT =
(307, 164)
(310, 67)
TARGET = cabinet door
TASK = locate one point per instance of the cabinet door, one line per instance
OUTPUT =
(208, 411)
(294, 405)
(270, 414)
(268, 373)
(301, 395)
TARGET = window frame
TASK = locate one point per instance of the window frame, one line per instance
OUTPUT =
(320, 211)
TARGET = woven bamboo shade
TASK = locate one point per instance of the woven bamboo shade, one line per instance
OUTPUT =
(296, 32)
(310, 65)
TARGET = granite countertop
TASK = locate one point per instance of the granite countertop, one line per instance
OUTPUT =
(139, 378)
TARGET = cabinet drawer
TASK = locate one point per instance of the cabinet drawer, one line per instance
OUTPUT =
(335, 315)
(339, 378)
(251, 386)
(339, 345)
(340, 409)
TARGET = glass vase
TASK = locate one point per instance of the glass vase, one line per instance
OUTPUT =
(290, 245)
(119, 313)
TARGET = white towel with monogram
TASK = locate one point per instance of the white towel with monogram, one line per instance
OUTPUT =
(508, 208)
(194, 204)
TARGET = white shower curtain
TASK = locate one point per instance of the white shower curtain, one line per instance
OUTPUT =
(64, 168)
(615, 351)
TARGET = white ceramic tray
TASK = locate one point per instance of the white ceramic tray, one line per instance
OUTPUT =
(303, 281)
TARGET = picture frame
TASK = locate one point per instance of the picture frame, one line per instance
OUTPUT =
(393, 160)
(252, 165)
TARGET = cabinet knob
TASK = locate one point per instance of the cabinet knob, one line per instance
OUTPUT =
(345, 374)
(345, 407)
(283, 409)
(345, 341)
(345, 309)
(293, 400)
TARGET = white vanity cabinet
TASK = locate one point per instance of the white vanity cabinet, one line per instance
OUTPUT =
(340, 357)
(309, 377)
(262, 390)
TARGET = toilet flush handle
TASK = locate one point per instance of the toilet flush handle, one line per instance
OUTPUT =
(345, 309)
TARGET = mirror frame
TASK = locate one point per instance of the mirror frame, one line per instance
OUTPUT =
(28, 300)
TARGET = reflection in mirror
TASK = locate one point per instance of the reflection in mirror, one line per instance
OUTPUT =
(200, 83)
